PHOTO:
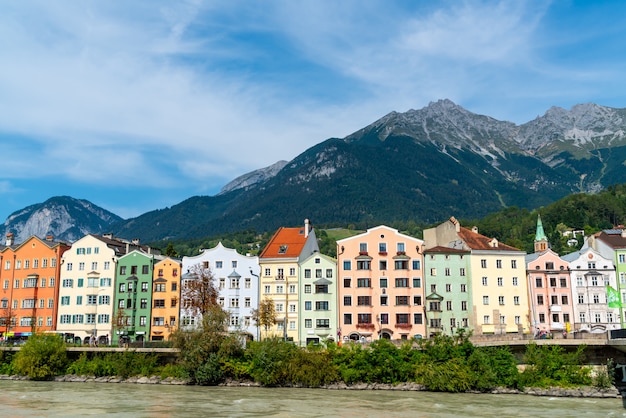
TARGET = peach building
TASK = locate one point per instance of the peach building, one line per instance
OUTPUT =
(166, 298)
(380, 286)
(30, 285)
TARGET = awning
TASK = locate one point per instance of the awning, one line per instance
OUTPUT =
(322, 281)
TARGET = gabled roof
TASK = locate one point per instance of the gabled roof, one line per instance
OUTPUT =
(286, 243)
(613, 238)
(446, 250)
(476, 241)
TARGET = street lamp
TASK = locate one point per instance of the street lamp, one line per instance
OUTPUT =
(258, 279)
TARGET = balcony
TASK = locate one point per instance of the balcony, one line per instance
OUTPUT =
(403, 326)
(556, 308)
(365, 326)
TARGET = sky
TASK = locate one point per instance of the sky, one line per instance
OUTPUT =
(139, 105)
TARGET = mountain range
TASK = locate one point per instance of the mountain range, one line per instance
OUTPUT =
(422, 165)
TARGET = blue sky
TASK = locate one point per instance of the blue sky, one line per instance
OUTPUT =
(139, 105)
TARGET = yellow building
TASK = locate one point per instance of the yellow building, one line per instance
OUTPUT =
(499, 286)
(279, 282)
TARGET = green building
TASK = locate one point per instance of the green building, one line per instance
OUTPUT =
(133, 297)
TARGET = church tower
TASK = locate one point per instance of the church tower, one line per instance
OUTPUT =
(541, 241)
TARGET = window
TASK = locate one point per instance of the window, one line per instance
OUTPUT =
(417, 300)
(91, 318)
(400, 247)
(267, 289)
(417, 319)
(347, 301)
(433, 271)
(513, 264)
(554, 300)
(81, 266)
(143, 304)
(346, 282)
(382, 265)
(159, 287)
(347, 265)
(515, 281)
(384, 318)
(158, 303)
(582, 317)
(142, 321)
(105, 282)
(104, 300)
(363, 264)
(364, 318)
(80, 282)
(107, 265)
(104, 318)
(539, 299)
(446, 271)
(448, 287)
(65, 300)
(417, 282)
(280, 307)
(483, 263)
(463, 288)
(382, 247)
(485, 300)
(307, 288)
(581, 298)
(234, 283)
(321, 305)
(234, 302)
(498, 264)
(501, 300)
(329, 273)
(464, 305)
(365, 282)
(68, 283)
(484, 281)
(92, 299)
(416, 265)
(500, 281)
(516, 300)
(347, 319)
(449, 305)
(307, 273)
(292, 271)
(402, 282)
(462, 271)
(402, 318)
(364, 300)
(247, 283)
(308, 323)
(383, 282)
(596, 298)
(564, 300)
(486, 319)
(319, 288)
(280, 288)
(384, 300)
(158, 321)
(542, 318)
(402, 300)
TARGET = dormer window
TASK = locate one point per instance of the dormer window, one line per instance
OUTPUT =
(282, 249)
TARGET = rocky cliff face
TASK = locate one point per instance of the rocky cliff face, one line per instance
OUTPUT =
(64, 218)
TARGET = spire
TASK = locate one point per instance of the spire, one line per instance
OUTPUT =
(541, 241)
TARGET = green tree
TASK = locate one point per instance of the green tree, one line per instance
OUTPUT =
(42, 357)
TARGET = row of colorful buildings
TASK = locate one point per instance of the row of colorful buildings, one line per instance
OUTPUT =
(383, 284)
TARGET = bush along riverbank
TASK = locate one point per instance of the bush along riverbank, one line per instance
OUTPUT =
(442, 364)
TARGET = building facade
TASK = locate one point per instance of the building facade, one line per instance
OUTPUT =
(318, 299)
(165, 298)
(380, 289)
(590, 274)
(498, 278)
(29, 274)
(236, 278)
(280, 266)
(448, 304)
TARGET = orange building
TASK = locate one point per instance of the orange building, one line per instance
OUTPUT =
(165, 299)
(29, 275)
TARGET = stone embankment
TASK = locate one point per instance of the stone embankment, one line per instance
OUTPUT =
(580, 392)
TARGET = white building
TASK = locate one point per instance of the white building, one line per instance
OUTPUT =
(590, 274)
(237, 279)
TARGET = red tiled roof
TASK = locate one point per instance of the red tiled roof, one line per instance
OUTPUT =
(286, 243)
(477, 241)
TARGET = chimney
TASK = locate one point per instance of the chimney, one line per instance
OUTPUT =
(475, 229)
(306, 228)
(9, 241)
(108, 236)
(49, 238)
(135, 241)
(623, 233)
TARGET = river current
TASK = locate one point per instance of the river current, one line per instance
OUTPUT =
(62, 399)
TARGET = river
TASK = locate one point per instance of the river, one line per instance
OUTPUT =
(61, 399)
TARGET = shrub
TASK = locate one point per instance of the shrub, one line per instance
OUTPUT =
(42, 357)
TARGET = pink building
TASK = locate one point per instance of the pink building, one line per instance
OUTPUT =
(380, 285)
(550, 288)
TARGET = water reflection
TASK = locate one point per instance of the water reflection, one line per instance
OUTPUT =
(52, 399)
